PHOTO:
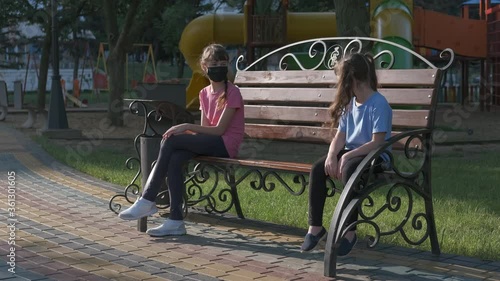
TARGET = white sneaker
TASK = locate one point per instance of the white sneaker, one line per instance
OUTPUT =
(140, 208)
(168, 228)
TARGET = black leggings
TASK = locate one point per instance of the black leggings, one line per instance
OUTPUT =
(317, 186)
(175, 152)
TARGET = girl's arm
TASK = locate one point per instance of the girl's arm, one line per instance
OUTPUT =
(377, 140)
(218, 130)
(203, 119)
(337, 144)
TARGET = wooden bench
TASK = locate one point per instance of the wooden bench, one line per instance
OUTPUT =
(292, 106)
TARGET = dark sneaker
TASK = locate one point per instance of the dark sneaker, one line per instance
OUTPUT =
(346, 246)
(312, 241)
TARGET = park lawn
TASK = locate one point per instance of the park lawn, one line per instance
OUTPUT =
(104, 164)
(466, 201)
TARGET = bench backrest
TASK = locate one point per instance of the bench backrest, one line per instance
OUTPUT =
(293, 105)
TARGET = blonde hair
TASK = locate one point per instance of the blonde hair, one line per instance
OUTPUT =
(353, 69)
(216, 52)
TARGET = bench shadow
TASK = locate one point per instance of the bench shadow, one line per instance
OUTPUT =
(354, 267)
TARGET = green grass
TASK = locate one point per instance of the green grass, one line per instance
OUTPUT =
(103, 163)
(466, 199)
(466, 206)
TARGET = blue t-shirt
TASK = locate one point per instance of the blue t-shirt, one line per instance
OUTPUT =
(360, 122)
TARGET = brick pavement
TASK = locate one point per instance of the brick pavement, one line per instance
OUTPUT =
(65, 231)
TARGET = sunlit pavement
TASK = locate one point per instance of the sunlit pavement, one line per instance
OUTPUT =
(59, 227)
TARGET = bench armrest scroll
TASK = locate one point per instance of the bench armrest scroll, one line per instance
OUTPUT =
(359, 179)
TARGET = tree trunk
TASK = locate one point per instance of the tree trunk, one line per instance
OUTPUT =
(116, 71)
(76, 55)
(353, 18)
(44, 67)
(120, 43)
(76, 62)
(116, 59)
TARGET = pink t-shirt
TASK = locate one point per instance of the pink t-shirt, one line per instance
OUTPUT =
(233, 136)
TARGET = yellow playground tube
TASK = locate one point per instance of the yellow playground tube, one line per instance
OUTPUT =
(229, 29)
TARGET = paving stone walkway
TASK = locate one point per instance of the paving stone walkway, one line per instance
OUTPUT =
(64, 230)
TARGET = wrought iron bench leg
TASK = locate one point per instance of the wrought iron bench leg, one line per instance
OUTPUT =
(142, 224)
(234, 192)
(337, 228)
(330, 260)
(429, 209)
(432, 227)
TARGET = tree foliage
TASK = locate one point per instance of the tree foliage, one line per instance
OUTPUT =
(122, 32)
(73, 28)
(353, 18)
(450, 7)
(170, 25)
(11, 13)
(311, 6)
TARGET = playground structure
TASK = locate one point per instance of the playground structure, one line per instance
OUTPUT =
(398, 21)
(75, 98)
(100, 73)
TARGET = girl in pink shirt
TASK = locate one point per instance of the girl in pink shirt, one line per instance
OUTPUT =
(220, 134)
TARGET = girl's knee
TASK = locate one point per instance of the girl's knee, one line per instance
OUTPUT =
(318, 170)
(168, 142)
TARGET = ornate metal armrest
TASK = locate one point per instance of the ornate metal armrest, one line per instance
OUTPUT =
(421, 135)
(359, 180)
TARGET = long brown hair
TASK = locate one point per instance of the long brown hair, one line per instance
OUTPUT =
(216, 52)
(355, 68)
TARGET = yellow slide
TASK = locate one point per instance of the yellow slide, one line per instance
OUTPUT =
(229, 29)
(392, 21)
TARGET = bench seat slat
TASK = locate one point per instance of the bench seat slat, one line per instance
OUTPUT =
(267, 164)
(401, 77)
(395, 96)
(271, 164)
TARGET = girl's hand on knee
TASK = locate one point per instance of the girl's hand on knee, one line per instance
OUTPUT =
(340, 167)
(176, 130)
(330, 166)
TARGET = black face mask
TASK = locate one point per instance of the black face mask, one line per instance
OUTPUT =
(217, 73)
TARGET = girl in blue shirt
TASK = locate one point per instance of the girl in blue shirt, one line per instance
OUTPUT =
(364, 120)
